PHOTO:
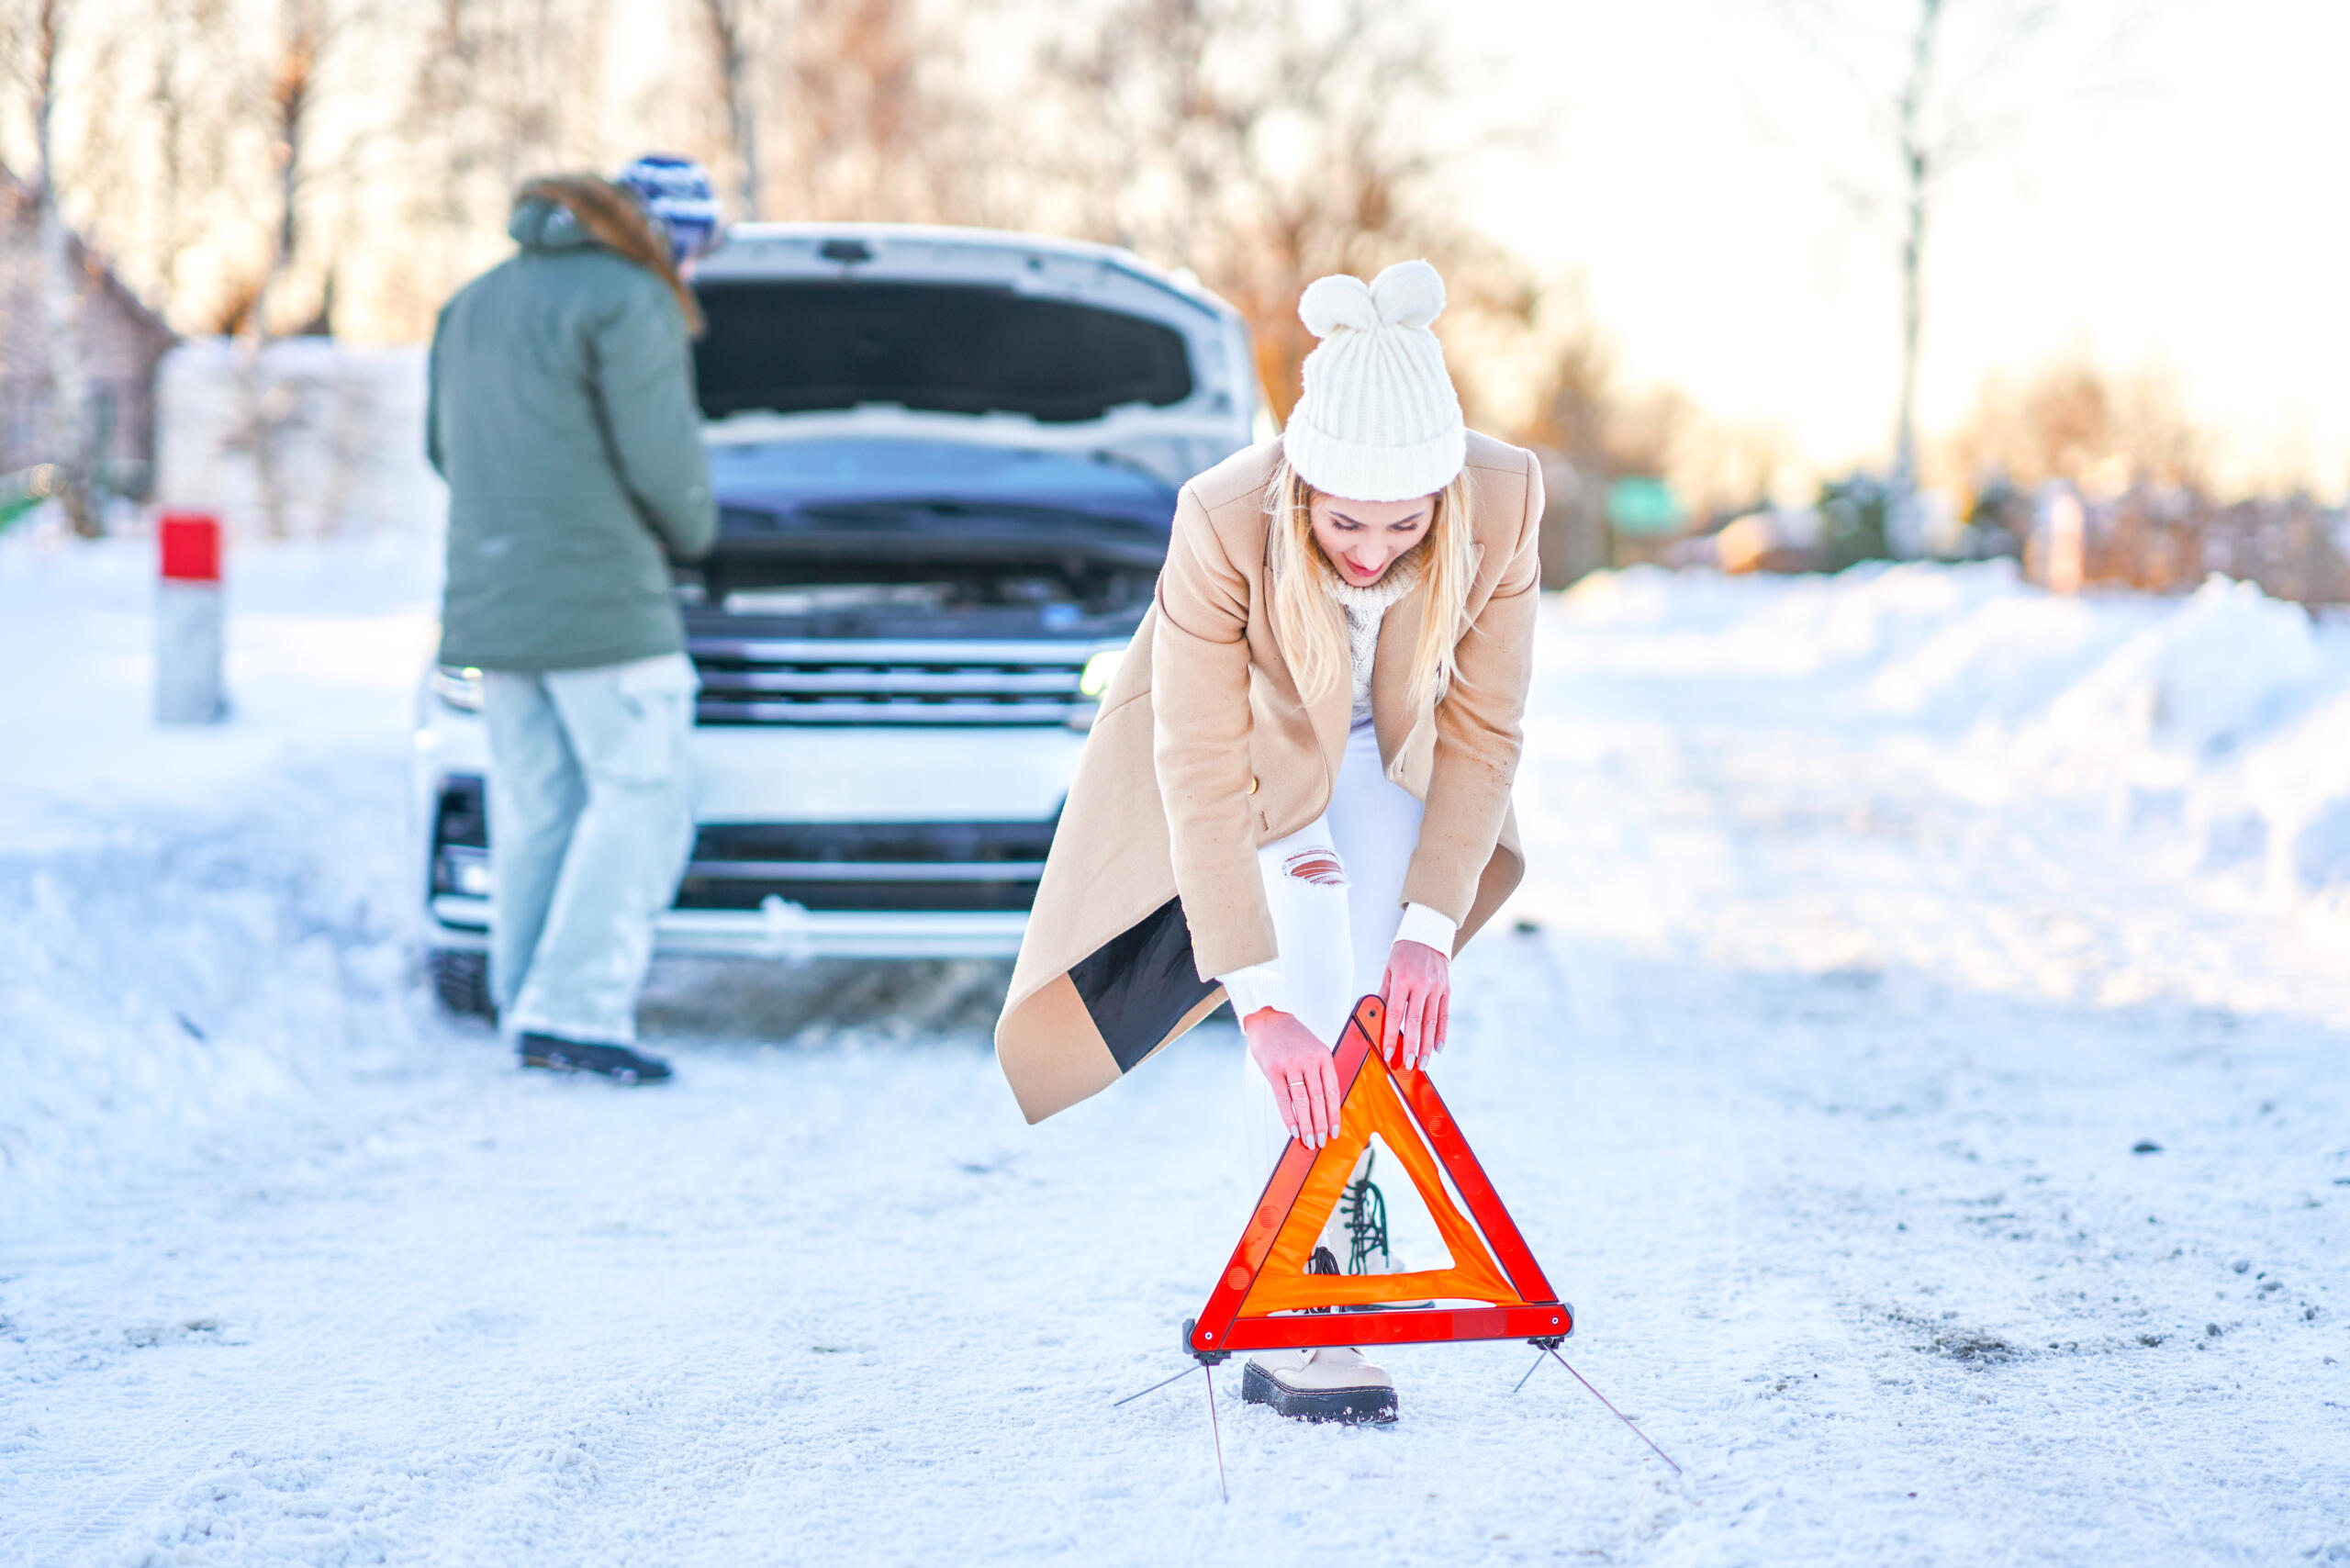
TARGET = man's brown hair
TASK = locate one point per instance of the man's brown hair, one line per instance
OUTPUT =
(615, 221)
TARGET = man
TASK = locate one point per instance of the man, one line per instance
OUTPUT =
(563, 415)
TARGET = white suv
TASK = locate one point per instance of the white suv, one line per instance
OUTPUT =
(945, 461)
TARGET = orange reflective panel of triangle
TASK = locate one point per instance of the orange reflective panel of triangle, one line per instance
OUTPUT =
(1283, 1285)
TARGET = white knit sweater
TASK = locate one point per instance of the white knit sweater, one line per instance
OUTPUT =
(1366, 610)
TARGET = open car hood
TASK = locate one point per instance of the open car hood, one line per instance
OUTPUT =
(831, 330)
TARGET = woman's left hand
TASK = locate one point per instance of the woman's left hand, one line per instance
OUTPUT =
(1418, 993)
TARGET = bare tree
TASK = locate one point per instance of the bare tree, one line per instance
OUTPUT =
(163, 169)
(38, 39)
(872, 116)
(303, 76)
(1605, 429)
(60, 290)
(251, 181)
(1939, 84)
(738, 30)
(1168, 114)
(2072, 419)
(191, 126)
(290, 97)
(500, 90)
(1262, 143)
(1922, 162)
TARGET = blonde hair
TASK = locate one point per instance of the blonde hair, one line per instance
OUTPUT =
(614, 220)
(1307, 618)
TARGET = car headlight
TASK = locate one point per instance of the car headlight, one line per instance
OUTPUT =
(1091, 682)
(459, 688)
(462, 871)
(1098, 673)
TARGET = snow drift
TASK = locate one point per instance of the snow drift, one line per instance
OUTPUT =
(203, 923)
(2215, 728)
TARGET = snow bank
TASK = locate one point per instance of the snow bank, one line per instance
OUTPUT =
(2215, 728)
(2220, 733)
(2196, 681)
(1817, 628)
(2001, 660)
(157, 995)
(199, 922)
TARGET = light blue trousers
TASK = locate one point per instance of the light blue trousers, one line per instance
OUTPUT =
(591, 823)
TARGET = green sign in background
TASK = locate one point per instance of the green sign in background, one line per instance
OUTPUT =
(1646, 506)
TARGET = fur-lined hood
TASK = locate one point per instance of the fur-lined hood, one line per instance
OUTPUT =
(541, 223)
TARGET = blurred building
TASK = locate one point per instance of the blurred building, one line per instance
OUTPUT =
(1591, 521)
(121, 339)
(306, 439)
(2167, 539)
(1574, 524)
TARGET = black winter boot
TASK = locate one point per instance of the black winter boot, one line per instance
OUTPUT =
(618, 1063)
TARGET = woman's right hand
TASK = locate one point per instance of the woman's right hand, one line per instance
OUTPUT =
(1298, 1065)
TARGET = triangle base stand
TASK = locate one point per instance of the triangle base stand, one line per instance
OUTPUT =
(1542, 1327)
(1420, 1334)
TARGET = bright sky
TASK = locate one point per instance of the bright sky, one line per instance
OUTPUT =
(2198, 222)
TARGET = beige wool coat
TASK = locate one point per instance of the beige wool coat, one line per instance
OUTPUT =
(1203, 750)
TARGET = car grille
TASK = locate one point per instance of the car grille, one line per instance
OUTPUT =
(921, 866)
(867, 865)
(758, 681)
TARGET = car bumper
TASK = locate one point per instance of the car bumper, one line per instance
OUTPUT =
(784, 931)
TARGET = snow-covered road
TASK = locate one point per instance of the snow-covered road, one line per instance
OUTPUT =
(1814, 1085)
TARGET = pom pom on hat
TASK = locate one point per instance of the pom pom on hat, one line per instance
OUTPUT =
(1408, 294)
(1338, 300)
(1378, 419)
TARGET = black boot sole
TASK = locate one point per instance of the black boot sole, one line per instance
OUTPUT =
(626, 1080)
(1349, 1406)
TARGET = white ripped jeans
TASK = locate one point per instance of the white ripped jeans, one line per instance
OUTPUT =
(1336, 889)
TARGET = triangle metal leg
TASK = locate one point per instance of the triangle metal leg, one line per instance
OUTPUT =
(1154, 1388)
(1554, 1355)
(1217, 1433)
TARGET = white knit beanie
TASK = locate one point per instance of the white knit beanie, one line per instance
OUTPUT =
(1378, 419)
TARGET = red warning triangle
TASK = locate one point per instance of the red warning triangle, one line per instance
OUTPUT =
(1266, 1300)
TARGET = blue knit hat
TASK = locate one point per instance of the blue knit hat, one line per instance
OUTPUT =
(676, 193)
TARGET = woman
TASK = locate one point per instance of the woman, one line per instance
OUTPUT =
(563, 415)
(1297, 789)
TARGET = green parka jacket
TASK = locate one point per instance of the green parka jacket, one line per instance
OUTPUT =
(562, 412)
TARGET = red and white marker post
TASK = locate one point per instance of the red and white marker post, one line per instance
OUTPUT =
(188, 633)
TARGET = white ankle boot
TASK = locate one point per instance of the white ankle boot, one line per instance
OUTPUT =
(1319, 1386)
